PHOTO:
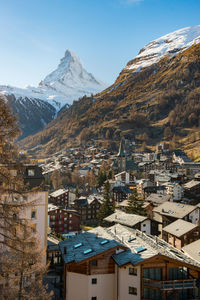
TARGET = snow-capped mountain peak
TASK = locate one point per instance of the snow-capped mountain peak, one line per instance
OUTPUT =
(69, 63)
(169, 44)
(68, 82)
(71, 79)
(38, 105)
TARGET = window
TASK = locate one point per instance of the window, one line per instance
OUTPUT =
(153, 273)
(133, 271)
(144, 225)
(178, 273)
(132, 290)
(152, 294)
(94, 280)
(70, 215)
(94, 298)
(70, 221)
(33, 214)
(31, 172)
(94, 263)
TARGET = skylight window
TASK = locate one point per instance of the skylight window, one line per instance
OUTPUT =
(104, 242)
(87, 251)
(131, 239)
(78, 245)
(140, 249)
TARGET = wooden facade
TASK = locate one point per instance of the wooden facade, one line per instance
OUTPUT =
(99, 264)
(185, 239)
(165, 278)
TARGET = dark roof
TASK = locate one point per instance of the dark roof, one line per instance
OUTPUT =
(81, 202)
(151, 189)
(84, 246)
(122, 189)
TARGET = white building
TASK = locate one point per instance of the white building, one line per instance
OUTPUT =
(124, 178)
(175, 190)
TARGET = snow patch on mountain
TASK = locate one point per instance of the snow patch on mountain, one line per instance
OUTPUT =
(169, 44)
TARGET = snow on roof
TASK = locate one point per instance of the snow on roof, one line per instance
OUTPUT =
(58, 193)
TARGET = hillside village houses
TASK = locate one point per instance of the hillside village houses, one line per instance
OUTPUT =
(137, 257)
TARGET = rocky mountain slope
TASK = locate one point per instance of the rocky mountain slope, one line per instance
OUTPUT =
(37, 106)
(157, 94)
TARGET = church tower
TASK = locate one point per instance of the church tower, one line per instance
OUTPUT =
(121, 157)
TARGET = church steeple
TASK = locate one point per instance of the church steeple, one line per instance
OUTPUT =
(121, 157)
(121, 152)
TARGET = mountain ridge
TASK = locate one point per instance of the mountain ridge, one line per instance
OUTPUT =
(166, 92)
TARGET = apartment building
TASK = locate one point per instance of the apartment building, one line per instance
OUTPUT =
(88, 208)
(62, 198)
(123, 263)
(63, 220)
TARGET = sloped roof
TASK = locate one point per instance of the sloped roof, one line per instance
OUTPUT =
(136, 246)
(179, 227)
(176, 210)
(193, 250)
(58, 193)
(143, 246)
(125, 219)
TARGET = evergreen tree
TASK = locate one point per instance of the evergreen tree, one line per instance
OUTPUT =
(101, 178)
(107, 208)
(77, 192)
(135, 205)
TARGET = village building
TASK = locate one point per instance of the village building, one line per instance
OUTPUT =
(63, 220)
(88, 208)
(169, 212)
(181, 233)
(123, 263)
(125, 178)
(193, 250)
(192, 189)
(62, 198)
(144, 224)
(120, 193)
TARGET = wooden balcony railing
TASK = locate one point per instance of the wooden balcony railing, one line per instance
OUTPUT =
(170, 284)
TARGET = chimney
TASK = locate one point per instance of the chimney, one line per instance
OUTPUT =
(65, 250)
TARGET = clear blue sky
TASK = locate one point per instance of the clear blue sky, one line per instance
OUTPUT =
(105, 34)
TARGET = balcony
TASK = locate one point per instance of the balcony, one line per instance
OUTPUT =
(170, 284)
